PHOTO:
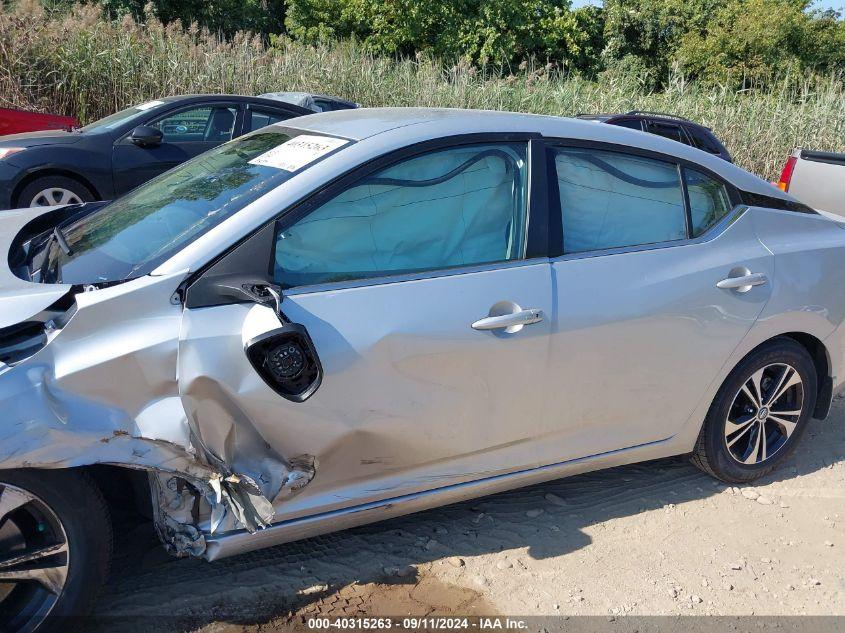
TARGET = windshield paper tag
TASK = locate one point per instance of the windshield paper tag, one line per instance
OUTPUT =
(298, 152)
(148, 105)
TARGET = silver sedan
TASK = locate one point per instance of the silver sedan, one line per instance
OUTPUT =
(360, 314)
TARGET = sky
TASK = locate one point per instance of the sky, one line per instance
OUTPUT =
(839, 5)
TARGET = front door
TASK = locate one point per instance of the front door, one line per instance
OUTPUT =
(642, 329)
(186, 133)
(430, 320)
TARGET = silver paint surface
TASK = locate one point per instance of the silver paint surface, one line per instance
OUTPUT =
(416, 407)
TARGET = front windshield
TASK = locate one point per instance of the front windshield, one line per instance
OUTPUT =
(132, 235)
(124, 116)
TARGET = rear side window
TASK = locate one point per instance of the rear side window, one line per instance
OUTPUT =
(708, 200)
(704, 141)
(634, 124)
(611, 199)
(446, 208)
(667, 130)
(262, 118)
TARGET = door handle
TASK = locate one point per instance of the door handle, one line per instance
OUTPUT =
(521, 317)
(743, 283)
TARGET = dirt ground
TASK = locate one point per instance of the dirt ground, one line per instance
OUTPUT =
(659, 538)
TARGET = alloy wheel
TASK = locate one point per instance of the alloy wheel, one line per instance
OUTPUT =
(764, 413)
(54, 196)
(34, 559)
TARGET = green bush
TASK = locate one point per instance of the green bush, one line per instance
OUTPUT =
(495, 32)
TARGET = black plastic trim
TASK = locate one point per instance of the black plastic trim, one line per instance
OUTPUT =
(771, 202)
(823, 157)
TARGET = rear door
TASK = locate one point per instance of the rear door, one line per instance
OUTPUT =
(641, 328)
(427, 295)
(188, 132)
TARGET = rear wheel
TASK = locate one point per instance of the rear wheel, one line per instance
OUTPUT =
(49, 191)
(55, 547)
(759, 414)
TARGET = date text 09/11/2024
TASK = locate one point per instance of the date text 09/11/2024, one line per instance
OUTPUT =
(417, 623)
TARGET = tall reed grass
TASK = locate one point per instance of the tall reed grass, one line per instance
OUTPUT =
(80, 63)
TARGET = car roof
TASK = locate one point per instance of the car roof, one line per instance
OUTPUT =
(394, 127)
(229, 97)
(640, 114)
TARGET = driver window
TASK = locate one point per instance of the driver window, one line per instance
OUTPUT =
(205, 123)
(455, 207)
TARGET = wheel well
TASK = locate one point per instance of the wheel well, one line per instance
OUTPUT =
(821, 360)
(52, 172)
(126, 491)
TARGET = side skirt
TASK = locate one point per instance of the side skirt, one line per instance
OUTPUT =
(233, 543)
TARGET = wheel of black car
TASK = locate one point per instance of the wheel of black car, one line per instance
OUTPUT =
(759, 414)
(49, 191)
(55, 548)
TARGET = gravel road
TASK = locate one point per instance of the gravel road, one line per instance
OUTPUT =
(659, 538)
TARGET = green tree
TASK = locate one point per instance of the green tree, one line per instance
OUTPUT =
(750, 42)
(643, 35)
(223, 16)
(497, 32)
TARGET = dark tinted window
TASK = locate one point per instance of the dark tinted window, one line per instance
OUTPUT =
(262, 118)
(634, 124)
(610, 199)
(667, 130)
(702, 140)
(708, 200)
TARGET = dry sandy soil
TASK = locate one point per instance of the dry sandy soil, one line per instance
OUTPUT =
(659, 538)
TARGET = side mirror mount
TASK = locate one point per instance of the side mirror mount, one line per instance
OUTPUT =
(146, 136)
(248, 288)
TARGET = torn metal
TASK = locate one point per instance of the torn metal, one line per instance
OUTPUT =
(107, 377)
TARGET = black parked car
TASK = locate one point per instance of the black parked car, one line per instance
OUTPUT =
(113, 155)
(668, 125)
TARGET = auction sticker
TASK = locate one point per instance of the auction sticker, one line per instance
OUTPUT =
(298, 152)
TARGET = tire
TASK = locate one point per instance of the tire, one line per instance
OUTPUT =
(736, 451)
(74, 501)
(53, 190)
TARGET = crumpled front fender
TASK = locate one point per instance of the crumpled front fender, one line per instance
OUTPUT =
(105, 390)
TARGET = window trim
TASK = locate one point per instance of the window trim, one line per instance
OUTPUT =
(536, 211)
(556, 237)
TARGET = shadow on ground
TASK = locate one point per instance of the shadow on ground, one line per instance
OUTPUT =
(369, 569)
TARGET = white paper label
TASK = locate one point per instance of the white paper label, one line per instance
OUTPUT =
(298, 152)
(148, 105)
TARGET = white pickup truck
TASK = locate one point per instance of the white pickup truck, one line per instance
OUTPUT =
(817, 179)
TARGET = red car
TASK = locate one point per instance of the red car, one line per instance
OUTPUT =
(13, 121)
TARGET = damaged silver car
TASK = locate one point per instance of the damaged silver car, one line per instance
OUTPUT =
(365, 313)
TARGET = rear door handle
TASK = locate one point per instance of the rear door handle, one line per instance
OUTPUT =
(744, 283)
(522, 317)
